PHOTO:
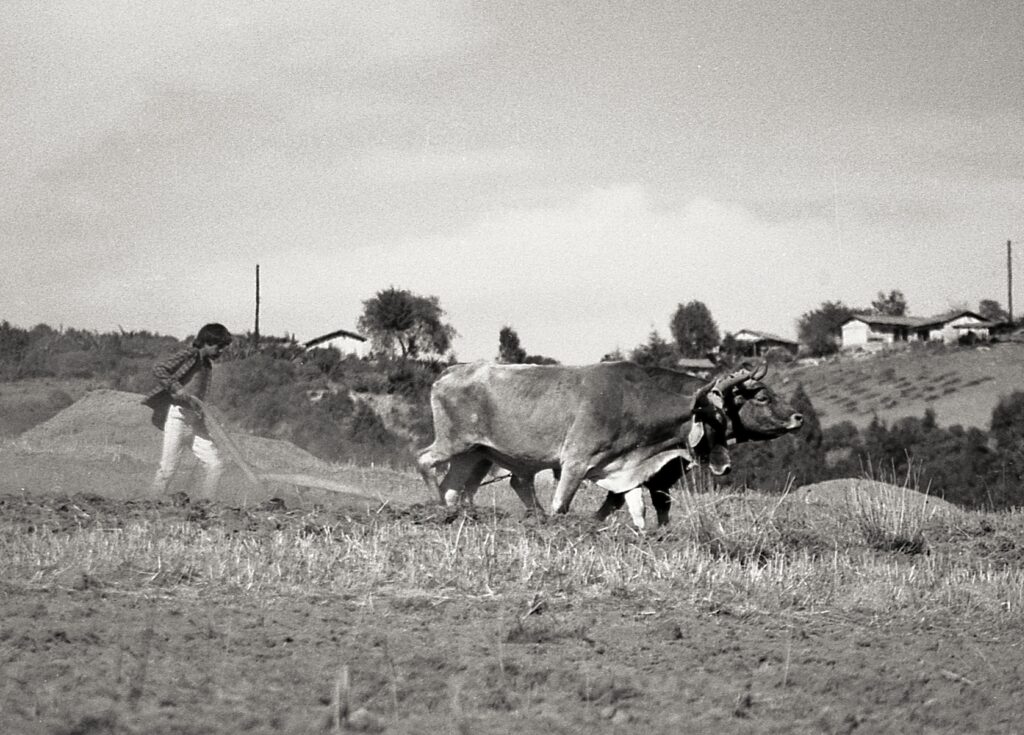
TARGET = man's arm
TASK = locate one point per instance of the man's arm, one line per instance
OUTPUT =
(169, 373)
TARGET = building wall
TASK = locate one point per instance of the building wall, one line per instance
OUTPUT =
(855, 334)
(948, 333)
(859, 334)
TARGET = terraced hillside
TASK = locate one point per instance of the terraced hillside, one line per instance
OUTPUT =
(961, 385)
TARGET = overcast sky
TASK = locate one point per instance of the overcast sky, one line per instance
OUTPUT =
(574, 170)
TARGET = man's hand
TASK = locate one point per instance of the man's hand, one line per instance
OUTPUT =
(190, 402)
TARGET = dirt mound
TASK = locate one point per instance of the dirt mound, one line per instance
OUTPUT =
(105, 443)
(841, 494)
(114, 424)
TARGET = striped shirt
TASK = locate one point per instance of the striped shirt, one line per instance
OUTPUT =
(183, 372)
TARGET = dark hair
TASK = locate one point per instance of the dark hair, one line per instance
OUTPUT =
(212, 334)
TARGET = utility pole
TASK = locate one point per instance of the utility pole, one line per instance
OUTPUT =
(256, 330)
(1009, 279)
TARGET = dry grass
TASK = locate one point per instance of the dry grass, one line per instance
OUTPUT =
(743, 553)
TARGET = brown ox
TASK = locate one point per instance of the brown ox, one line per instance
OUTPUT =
(616, 424)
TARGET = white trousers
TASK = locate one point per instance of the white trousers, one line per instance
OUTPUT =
(182, 425)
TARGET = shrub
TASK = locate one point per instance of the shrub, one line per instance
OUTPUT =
(412, 379)
(778, 356)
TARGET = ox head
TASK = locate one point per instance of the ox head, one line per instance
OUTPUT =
(737, 408)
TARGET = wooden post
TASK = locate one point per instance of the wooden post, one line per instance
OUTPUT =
(1009, 279)
(256, 330)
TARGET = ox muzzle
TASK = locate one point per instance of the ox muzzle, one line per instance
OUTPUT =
(719, 461)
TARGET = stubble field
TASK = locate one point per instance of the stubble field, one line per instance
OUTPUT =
(850, 606)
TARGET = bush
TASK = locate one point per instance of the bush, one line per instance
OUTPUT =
(413, 379)
(269, 395)
(778, 356)
(82, 364)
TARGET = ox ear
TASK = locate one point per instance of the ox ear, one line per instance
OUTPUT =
(696, 433)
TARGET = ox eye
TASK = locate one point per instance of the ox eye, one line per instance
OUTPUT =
(761, 398)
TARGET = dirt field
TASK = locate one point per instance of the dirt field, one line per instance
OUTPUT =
(83, 657)
(155, 648)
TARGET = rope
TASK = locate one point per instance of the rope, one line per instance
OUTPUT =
(496, 479)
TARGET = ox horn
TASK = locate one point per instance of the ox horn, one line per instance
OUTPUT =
(741, 376)
(731, 381)
(706, 390)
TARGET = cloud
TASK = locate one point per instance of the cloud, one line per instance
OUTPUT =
(79, 70)
(602, 268)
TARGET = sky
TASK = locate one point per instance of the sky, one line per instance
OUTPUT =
(574, 170)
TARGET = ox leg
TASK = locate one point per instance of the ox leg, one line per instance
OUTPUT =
(477, 472)
(612, 502)
(527, 492)
(465, 471)
(662, 502)
(659, 485)
(428, 461)
(572, 475)
(635, 503)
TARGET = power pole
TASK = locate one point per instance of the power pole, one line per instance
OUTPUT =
(1009, 279)
(256, 330)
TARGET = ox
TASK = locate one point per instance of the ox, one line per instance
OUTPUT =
(617, 424)
(710, 430)
(753, 413)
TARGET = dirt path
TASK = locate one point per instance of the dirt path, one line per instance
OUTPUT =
(242, 664)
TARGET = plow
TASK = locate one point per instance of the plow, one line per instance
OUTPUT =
(257, 476)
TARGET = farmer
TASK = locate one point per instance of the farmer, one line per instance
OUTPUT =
(183, 378)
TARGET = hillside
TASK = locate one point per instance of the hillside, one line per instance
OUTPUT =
(961, 385)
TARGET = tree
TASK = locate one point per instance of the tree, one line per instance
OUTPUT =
(895, 304)
(397, 316)
(694, 330)
(991, 310)
(820, 330)
(14, 343)
(1006, 476)
(540, 360)
(1007, 426)
(509, 349)
(656, 353)
(730, 349)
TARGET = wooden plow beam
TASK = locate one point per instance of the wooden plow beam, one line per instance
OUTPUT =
(214, 424)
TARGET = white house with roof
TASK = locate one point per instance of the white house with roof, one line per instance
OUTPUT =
(872, 330)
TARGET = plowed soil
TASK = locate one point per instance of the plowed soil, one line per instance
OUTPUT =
(80, 656)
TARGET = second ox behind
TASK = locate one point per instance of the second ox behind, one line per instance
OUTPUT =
(615, 423)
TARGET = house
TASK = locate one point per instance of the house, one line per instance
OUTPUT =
(875, 330)
(756, 344)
